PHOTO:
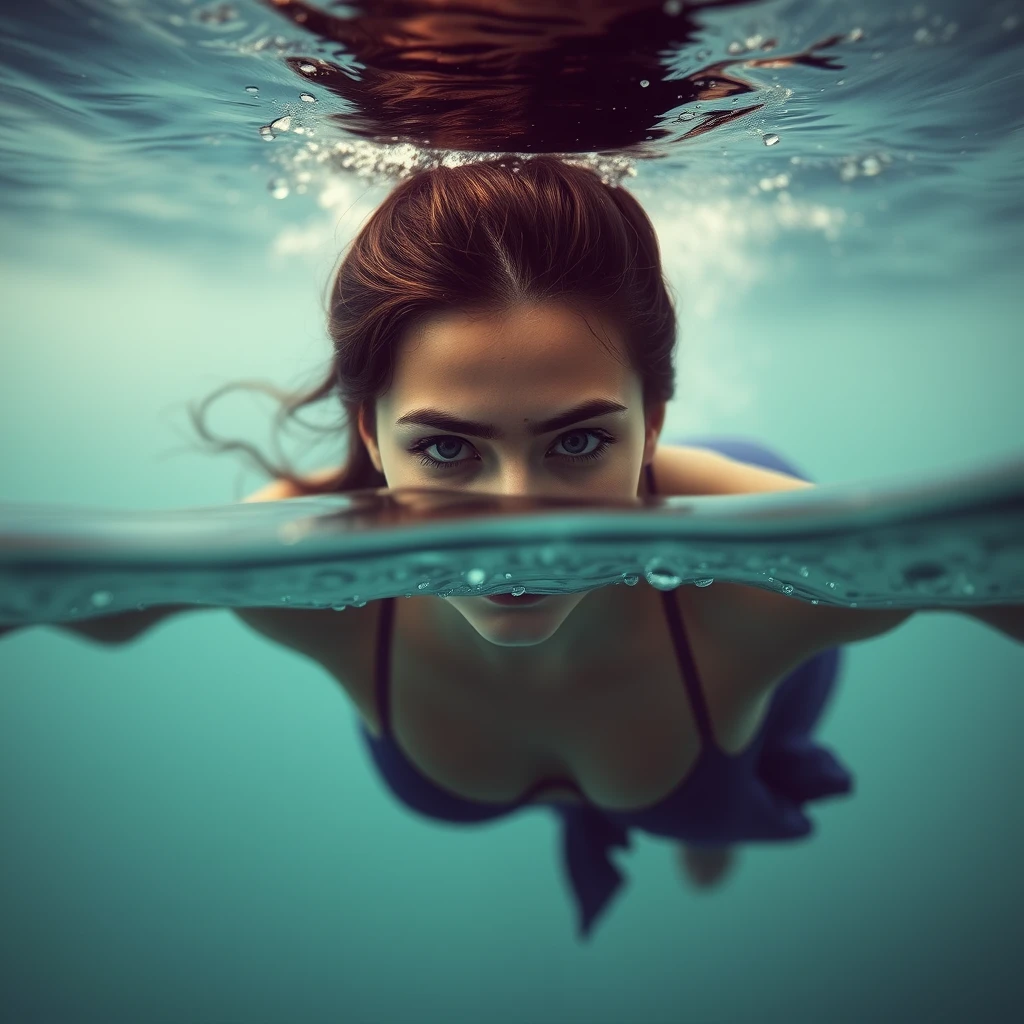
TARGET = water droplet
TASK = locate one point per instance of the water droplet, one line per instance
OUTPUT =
(814, 601)
(672, 7)
(870, 166)
(278, 188)
(101, 598)
(518, 591)
(286, 599)
(644, 83)
(307, 69)
(266, 133)
(770, 140)
(476, 577)
(686, 115)
(360, 604)
(423, 585)
(703, 583)
(831, 586)
(804, 571)
(282, 124)
(253, 89)
(630, 580)
(508, 575)
(661, 578)
(968, 588)
(307, 98)
(735, 47)
(787, 589)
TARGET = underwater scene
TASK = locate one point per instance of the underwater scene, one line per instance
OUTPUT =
(777, 246)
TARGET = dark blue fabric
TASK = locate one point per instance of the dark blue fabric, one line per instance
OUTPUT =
(756, 795)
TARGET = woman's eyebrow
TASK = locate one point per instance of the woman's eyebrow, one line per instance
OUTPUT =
(443, 421)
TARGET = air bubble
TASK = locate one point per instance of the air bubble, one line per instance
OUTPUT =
(307, 98)
(253, 89)
(770, 140)
(630, 580)
(475, 577)
(736, 47)
(703, 583)
(787, 589)
(644, 83)
(518, 591)
(686, 115)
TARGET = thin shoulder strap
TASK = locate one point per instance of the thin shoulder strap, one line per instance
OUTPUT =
(684, 653)
(381, 688)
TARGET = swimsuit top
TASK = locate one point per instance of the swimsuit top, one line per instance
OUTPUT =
(723, 799)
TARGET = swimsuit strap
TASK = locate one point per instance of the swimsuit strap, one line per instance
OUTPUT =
(387, 613)
(684, 653)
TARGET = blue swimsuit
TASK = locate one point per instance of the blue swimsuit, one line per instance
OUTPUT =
(756, 794)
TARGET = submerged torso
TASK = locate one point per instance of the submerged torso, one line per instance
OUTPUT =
(621, 732)
(624, 731)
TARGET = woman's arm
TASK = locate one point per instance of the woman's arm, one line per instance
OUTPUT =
(118, 628)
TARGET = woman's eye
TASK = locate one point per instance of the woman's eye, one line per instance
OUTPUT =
(575, 445)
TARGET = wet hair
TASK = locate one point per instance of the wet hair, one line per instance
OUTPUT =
(482, 236)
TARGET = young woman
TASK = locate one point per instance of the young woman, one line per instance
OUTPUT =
(506, 329)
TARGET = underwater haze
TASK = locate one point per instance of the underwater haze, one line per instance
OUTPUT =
(192, 829)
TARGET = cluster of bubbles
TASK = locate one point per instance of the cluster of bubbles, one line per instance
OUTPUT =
(863, 166)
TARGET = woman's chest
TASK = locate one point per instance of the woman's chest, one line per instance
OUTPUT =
(625, 728)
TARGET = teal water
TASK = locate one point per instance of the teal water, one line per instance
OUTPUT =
(953, 541)
(192, 830)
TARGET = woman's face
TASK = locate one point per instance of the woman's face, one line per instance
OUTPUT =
(507, 377)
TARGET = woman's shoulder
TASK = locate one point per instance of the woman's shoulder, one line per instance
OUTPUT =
(341, 642)
(281, 490)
